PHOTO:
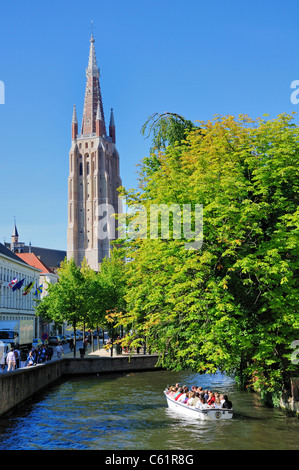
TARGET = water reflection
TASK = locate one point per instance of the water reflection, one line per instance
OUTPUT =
(128, 411)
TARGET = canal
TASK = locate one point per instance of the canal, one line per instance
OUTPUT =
(129, 412)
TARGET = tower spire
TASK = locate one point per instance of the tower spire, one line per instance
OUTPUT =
(112, 127)
(74, 124)
(74, 115)
(15, 234)
(93, 97)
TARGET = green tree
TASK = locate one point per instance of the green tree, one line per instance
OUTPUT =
(233, 304)
(67, 300)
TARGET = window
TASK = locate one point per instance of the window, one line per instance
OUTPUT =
(80, 169)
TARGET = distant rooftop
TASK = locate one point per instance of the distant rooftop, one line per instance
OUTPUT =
(51, 258)
(33, 260)
(7, 252)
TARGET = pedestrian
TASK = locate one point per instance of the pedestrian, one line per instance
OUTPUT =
(17, 356)
(34, 355)
(23, 358)
(3, 360)
(71, 343)
(11, 360)
(42, 357)
(59, 350)
(31, 358)
(49, 352)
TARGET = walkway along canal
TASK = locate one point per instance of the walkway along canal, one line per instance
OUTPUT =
(21, 384)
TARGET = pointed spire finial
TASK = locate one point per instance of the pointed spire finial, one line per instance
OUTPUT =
(74, 115)
(112, 122)
(92, 68)
(15, 230)
(91, 27)
(112, 127)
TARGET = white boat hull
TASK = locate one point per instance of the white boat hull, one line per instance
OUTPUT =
(214, 414)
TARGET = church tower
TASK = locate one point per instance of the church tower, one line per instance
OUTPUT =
(93, 177)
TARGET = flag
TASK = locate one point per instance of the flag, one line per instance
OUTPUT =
(18, 285)
(38, 290)
(13, 282)
(28, 288)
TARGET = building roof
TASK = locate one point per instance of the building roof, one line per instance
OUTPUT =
(49, 257)
(33, 260)
(6, 252)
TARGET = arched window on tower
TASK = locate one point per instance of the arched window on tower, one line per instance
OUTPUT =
(87, 168)
(80, 169)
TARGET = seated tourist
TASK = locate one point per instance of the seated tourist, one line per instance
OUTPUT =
(217, 403)
(172, 392)
(201, 404)
(227, 403)
(211, 398)
(187, 398)
(183, 396)
(192, 400)
(178, 392)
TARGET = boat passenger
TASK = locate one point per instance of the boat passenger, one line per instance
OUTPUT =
(206, 395)
(184, 395)
(201, 404)
(227, 403)
(192, 400)
(178, 393)
(222, 399)
(211, 399)
(217, 403)
(188, 395)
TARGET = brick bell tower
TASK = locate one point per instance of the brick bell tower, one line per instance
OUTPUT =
(93, 177)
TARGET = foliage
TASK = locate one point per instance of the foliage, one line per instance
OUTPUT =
(83, 296)
(233, 305)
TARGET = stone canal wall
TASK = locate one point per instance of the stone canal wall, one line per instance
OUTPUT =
(22, 384)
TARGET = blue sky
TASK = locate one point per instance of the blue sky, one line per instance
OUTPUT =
(195, 58)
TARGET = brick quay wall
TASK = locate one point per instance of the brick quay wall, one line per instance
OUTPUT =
(23, 384)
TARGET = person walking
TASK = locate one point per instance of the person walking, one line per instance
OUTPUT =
(3, 360)
(23, 358)
(59, 350)
(11, 360)
(17, 356)
(49, 352)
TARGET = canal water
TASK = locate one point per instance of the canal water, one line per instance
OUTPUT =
(129, 412)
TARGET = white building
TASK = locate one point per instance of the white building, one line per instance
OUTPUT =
(13, 304)
(46, 276)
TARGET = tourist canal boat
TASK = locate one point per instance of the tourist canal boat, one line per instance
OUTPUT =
(204, 414)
